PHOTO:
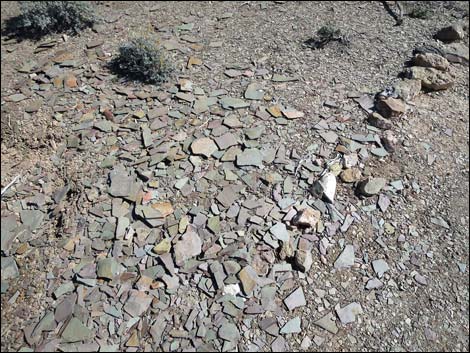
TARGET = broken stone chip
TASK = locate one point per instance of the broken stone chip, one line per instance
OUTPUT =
(189, 246)
(204, 146)
(295, 299)
(307, 217)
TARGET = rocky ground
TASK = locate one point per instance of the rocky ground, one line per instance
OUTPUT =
(266, 198)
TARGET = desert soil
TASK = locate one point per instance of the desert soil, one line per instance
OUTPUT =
(80, 270)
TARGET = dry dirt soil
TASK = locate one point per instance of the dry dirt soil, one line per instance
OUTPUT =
(54, 239)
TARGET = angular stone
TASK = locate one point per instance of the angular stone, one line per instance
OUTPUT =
(226, 140)
(204, 146)
(31, 218)
(329, 136)
(292, 326)
(8, 233)
(351, 175)
(279, 230)
(346, 258)
(227, 196)
(431, 60)
(374, 283)
(380, 267)
(371, 186)
(137, 303)
(254, 91)
(234, 103)
(108, 268)
(163, 247)
(328, 323)
(164, 207)
(250, 157)
(76, 331)
(349, 312)
(378, 121)
(292, 113)
(450, 33)
(303, 260)
(9, 268)
(295, 299)
(391, 107)
(431, 79)
(249, 279)
(189, 246)
(407, 89)
(254, 133)
(307, 217)
(63, 289)
(229, 332)
(457, 53)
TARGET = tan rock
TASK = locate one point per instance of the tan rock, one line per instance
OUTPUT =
(390, 142)
(70, 81)
(203, 146)
(431, 60)
(162, 247)
(351, 175)
(391, 107)
(248, 278)
(165, 208)
(307, 217)
(408, 89)
(377, 120)
(431, 79)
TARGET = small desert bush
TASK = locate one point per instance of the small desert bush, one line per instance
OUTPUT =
(38, 18)
(328, 33)
(141, 59)
(420, 11)
(325, 35)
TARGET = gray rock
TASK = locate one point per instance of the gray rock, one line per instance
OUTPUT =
(108, 268)
(295, 299)
(9, 268)
(371, 186)
(249, 279)
(346, 258)
(250, 157)
(279, 230)
(76, 331)
(8, 233)
(137, 303)
(189, 246)
(225, 141)
(431, 79)
(431, 60)
(31, 218)
(380, 267)
(292, 326)
(63, 289)
(374, 283)
(378, 121)
(328, 323)
(204, 146)
(234, 103)
(254, 91)
(349, 312)
(229, 332)
(450, 33)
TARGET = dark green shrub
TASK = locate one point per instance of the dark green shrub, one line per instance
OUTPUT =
(328, 33)
(420, 11)
(38, 18)
(142, 60)
(325, 35)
